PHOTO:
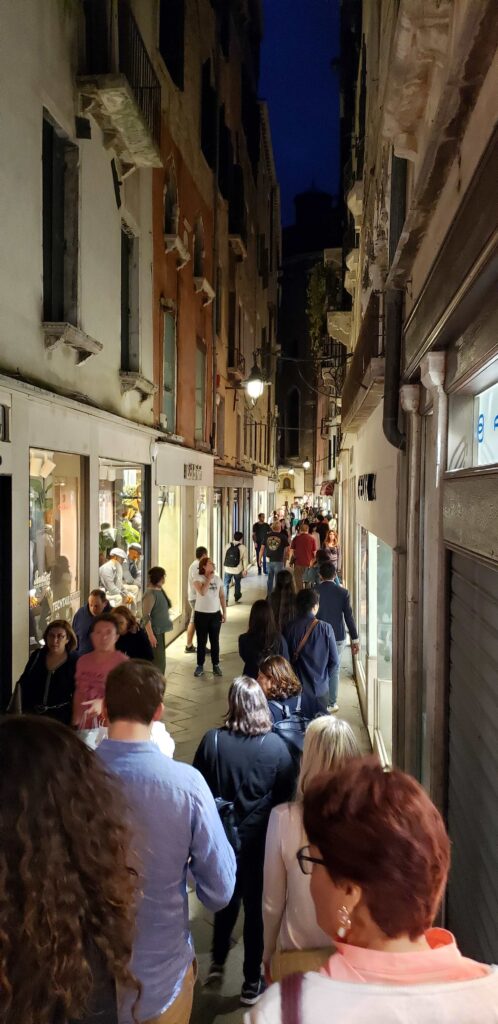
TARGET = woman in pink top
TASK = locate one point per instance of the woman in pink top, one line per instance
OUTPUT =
(92, 671)
(378, 859)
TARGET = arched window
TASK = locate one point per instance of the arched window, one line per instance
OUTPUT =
(171, 209)
(292, 422)
(199, 248)
(286, 484)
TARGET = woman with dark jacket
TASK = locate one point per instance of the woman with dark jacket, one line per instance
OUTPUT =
(283, 599)
(245, 762)
(261, 640)
(47, 683)
(132, 640)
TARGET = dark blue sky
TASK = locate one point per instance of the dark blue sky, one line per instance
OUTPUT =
(300, 39)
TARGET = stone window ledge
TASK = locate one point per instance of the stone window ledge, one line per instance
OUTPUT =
(133, 381)
(201, 284)
(58, 334)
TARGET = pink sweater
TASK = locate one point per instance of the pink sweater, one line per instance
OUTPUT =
(91, 675)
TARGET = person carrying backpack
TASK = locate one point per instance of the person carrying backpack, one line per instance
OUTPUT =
(235, 565)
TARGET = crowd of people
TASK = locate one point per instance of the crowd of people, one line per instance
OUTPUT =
(340, 867)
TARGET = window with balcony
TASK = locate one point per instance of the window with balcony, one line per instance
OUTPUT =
(200, 391)
(172, 38)
(130, 336)
(169, 370)
(60, 186)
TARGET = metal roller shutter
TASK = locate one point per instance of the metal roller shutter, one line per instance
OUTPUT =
(473, 759)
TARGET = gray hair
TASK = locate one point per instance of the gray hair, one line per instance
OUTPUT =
(328, 743)
(248, 711)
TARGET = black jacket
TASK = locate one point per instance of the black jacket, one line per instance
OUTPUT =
(58, 699)
(335, 608)
(135, 645)
(252, 655)
(257, 772)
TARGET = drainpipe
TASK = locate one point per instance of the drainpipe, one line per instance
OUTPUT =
(410, 403)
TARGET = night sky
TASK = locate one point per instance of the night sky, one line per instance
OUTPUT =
(300, 39)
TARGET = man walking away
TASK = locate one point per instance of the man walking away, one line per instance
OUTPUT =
(235, 565)
(335, 608)
(303, 549)
(276, 549)
(193, 571)
(176, 826)
(260, 532)
(313, 652)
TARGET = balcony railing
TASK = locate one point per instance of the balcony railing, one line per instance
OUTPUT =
(135, 63)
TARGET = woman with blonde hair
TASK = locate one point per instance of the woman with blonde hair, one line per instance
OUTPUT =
(293, 941)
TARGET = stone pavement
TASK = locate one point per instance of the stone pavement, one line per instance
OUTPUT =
(192, 707)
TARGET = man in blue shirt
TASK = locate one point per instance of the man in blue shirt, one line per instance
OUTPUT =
(176, 826)
(335, 608)
(312, 650)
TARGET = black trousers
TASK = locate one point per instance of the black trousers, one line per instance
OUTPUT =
(208, 624)
(249, 892)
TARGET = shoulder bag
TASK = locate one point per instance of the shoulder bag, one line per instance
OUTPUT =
(304, 641)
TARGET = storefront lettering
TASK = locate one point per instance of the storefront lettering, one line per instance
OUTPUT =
(74, 597)
(191, 471)
(366, 487)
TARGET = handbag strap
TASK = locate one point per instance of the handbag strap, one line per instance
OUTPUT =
(304, 641)
(291, 991)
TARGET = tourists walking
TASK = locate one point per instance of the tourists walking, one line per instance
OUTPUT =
(275, 548)
(303, 549)
(46, 686)
(92, 671)
(293, 939)
(335, 608)
(260, 532)
(333, 548)
(193, 571)
(378, 857)
(97, 604)
(235, 565)
(261, 640)
(132, 639)
(155, 614)
(283, 599)
(210, 613)
(312, 648)
(68, 891)
(176, 828)
(246, 763)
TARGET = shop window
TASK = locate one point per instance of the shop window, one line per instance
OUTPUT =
(384, 645)
(172, 38)
(56, 588)
(60, 187)
(169, 370)
(199, 252)
(121, 518)
(362, 595)
(130, 336)
(202, 517)
(171, 209)
(170, 543)
(200, 391)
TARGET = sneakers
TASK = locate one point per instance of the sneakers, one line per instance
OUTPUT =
(332, 708)
(215, 973)
(190, 649)
(199, 670)
(252, 991)
(217, 670)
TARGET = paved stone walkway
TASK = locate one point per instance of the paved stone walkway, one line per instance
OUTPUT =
(192, 707)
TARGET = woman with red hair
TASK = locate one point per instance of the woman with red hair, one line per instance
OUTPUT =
(378, 857)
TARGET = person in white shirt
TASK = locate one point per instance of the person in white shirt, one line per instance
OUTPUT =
(193, 572)
(290, 924)
(235, 565)
(210, 613)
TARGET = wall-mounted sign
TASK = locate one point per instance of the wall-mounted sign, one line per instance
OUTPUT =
(366, 487)
(486, 427)
(192, 471)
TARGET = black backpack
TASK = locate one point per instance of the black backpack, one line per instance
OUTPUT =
(232, 557)
(292, 727)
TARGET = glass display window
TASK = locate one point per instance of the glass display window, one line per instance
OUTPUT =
(170, 543)
(56, 588)
(385, 645)
(362, 595)
(201, 517)
(121, 521)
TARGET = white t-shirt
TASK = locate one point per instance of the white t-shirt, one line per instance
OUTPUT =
(210, 601)
(193, 572)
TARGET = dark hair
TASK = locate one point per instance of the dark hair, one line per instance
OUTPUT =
(156, 574)
(381, 831)
(105, 617)
(98, 593)
(238, 535)
(306, 601)
(328, 570)
(262, 628)
(247, 708)
(322, 556)
(202, 564)
(199, 552)
(125, 613)
(283, 599)
(71, 642)
(133, 691)
(283, 680)
(320, 517)
(67, 885)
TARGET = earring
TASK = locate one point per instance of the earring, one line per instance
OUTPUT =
(344, 922)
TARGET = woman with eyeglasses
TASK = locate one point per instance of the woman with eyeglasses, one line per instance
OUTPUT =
(293, 939)
(378, 857)
(46, 686)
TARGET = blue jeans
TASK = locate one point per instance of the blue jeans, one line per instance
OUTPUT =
(258, 549)
(334, 675)
(273, 569)
(227, 579)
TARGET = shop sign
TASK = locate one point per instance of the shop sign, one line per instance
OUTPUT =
(366, 487)
(192, 471)
(486, 427)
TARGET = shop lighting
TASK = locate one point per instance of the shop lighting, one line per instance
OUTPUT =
(306, 463)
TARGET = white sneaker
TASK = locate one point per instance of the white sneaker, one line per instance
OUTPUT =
(332, 708)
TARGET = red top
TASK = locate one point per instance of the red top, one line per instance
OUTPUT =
(304, 548)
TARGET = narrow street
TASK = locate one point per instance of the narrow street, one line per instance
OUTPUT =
(192, 707)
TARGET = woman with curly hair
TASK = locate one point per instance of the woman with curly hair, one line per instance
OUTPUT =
(280, 686)
(67, 887)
